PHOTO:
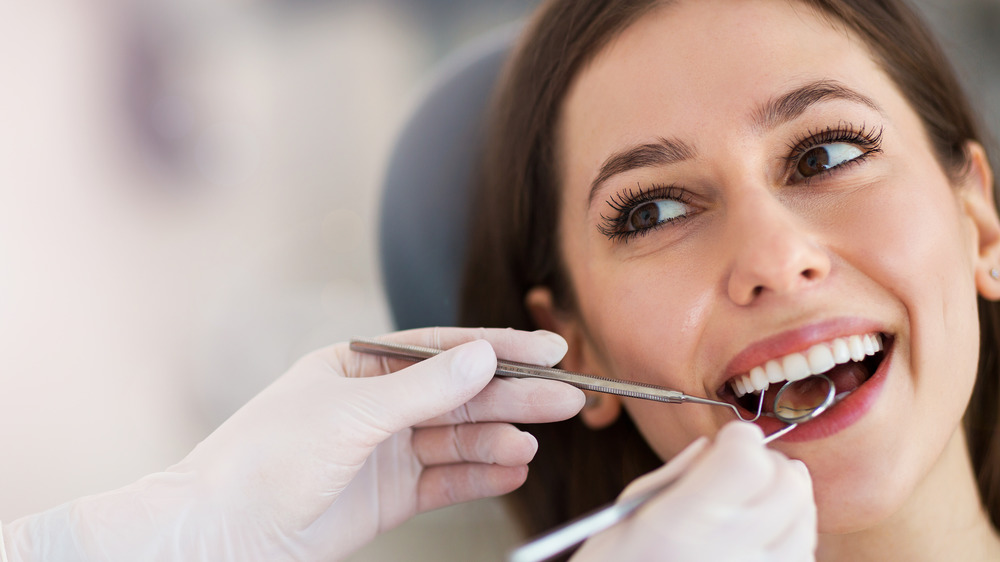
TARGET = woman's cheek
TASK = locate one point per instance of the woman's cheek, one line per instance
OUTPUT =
(669, 428)
(644, 321)
(648, 334)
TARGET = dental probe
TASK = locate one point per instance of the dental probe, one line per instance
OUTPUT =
(579, 380)
(578, 530)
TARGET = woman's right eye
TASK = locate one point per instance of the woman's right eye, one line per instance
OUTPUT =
(639, 211)
(653, 213)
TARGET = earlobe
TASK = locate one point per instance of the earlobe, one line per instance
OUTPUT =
(601, 410)
(979, 206)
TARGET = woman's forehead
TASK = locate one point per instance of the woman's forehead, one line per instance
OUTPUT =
(687, 65)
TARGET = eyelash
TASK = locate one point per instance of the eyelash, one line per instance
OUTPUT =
(624, 203)
(870, 141)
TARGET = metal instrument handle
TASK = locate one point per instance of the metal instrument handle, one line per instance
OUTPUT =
(515, 369)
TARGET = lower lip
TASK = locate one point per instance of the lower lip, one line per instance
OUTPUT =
(841, 415)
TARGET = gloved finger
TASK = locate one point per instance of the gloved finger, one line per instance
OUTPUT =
(537, 348)
(668, 472)
(798, 543)
(799, 539)
(492, 443)
(767, 518)
(519, 401)
(423, 390)
(445, 485)
(733, 470)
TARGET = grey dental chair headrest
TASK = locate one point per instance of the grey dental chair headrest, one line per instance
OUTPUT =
(426, 194)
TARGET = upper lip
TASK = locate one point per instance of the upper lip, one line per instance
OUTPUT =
(795, 340)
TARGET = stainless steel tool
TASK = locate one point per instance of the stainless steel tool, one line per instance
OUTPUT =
(579, 380)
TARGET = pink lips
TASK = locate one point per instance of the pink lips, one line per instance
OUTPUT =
(796, 340)
(840, 415)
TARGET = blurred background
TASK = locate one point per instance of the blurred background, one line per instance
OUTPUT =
(188, 204)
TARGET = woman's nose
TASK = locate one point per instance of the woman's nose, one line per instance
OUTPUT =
(774, 251)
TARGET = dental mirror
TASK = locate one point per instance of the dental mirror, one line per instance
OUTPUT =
(802, 400)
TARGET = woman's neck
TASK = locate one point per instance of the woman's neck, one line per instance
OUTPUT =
(942, 520)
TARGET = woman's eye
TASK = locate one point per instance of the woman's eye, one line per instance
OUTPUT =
(653, 213)
(826, 156)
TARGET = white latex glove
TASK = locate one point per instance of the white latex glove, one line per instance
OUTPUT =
(325, 458)
(735, 500)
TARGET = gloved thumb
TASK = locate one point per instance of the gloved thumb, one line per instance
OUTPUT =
(426, 389)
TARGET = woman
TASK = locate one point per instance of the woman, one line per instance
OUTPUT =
(712, 195)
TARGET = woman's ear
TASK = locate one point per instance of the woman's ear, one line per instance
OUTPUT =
(600, 410)
(976, 189)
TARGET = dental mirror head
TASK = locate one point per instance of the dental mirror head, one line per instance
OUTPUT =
(802, 400)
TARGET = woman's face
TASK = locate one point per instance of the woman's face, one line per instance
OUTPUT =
(742, 184)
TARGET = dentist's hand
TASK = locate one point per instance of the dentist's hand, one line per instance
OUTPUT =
(340, 448)
(735, 499)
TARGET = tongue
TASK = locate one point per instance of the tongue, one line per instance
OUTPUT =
(848, 376)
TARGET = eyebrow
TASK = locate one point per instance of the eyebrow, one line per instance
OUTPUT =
(660, 153)
(766, 116)
(791, 104)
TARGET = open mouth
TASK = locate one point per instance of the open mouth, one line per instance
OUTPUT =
(849, 362)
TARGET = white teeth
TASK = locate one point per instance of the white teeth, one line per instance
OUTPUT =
(758, 378)
(796, 366)
(818, 359)
(869, 345)
(774, 371)
(856, 347)
(841, 353)
(737, 385)
(747, 384)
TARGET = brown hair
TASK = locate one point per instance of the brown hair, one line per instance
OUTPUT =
(514, 246)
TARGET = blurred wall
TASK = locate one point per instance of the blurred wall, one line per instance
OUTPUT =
(187, 206)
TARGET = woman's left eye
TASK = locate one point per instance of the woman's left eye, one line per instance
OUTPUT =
(652, 213)
(824, 157)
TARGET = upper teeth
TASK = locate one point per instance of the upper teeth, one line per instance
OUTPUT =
(818, 359)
